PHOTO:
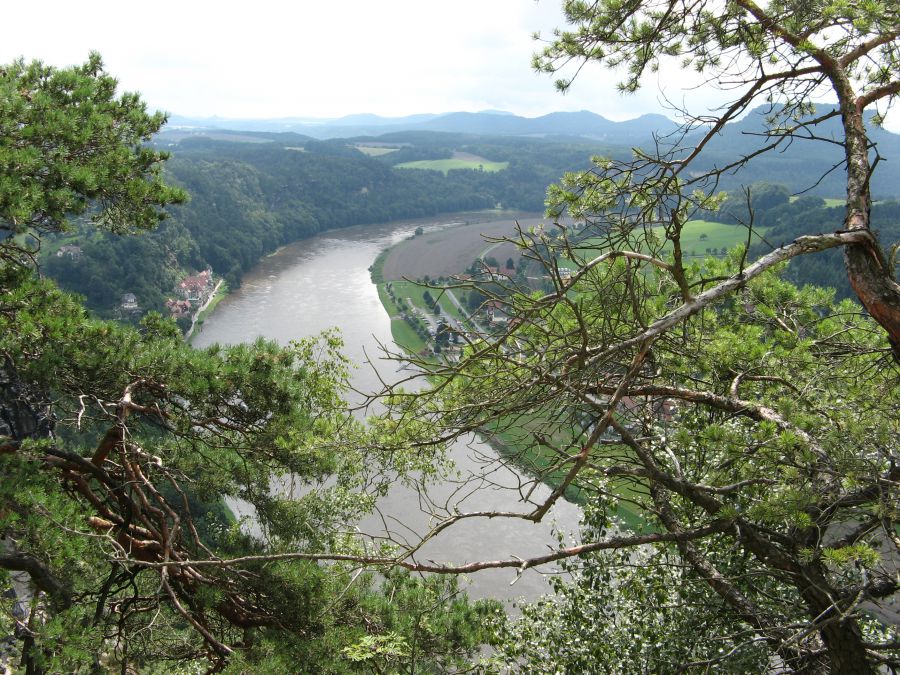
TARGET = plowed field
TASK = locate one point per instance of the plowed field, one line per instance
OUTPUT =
(451, 250)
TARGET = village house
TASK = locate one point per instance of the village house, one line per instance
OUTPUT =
(196, 289)
(496, 311)
(492, 273)
(130, 302)
(178, 308)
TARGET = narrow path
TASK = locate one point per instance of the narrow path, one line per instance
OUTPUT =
(484, 253)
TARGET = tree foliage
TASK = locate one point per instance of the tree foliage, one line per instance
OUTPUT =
(123, 450)
(67, 143)
(747, 426)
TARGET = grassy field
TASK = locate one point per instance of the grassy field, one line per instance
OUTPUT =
(447, 306)
(374, 151)
(829, 201)
(518, 446)
(696, 237)
(405, 337)
(445, 165)
(402, 333)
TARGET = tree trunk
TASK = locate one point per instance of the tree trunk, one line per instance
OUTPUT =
(868, 270)
(845, 648)
(871, 280)
(843, 638)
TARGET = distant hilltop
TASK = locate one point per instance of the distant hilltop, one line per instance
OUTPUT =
(582, 124)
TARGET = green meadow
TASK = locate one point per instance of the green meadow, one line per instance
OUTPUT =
(445, 165)
(698, 235)
(374, 151)
(699, 238)
(414, 293)
(402, 333)
(830, 202)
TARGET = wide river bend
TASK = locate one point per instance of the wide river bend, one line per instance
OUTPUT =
(324, 282)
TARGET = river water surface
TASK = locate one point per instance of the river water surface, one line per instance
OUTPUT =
(324, 282)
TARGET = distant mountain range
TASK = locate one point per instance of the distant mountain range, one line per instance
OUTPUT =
(581, 124)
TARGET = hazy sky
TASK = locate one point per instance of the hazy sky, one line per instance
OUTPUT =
(317, 58)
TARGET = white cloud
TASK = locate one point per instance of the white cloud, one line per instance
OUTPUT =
(317, 59)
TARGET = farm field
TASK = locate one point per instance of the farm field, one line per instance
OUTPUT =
(698, 235)
(699, 238)
(460, 160)
(374, 151)
(449, 251)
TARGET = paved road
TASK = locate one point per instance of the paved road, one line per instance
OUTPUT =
(464, 311)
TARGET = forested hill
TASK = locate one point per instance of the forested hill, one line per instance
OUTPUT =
(800, 165)
(251, 193)
(803, 163)
(811, 215)
(249, 198)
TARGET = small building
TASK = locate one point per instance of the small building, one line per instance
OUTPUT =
(196, 288)
(496, 311)
(178, 308)
(130, 302)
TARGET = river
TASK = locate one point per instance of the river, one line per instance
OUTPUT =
(324, 282)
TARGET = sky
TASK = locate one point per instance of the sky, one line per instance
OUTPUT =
(319, 59)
